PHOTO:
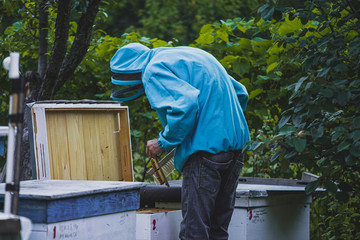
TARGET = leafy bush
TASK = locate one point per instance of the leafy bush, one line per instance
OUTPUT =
(321, 127)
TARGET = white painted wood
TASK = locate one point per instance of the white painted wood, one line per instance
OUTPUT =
(79, 105)
(40, 143)
(56, 189)
(131, 157)
(263, 189)
(271, 223)
(238, 224)
(282, 199)
(158, 225)
(108, 227)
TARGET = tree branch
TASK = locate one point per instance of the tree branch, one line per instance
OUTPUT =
(62, 27)
(80, 45)
(43, 34)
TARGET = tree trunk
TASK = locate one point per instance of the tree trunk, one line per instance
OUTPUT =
(43, 35)
(58, 54)
(52, 76)
(33, 81)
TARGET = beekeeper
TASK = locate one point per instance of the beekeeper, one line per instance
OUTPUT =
(201, 108)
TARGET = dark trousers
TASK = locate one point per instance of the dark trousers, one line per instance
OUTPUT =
(208, 194)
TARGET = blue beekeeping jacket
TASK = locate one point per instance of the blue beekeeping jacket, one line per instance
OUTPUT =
(200, 106)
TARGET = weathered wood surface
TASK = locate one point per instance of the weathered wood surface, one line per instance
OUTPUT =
(55, 189)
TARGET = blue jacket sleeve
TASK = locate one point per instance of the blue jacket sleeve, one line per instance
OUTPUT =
(175, 100)
(241, 92)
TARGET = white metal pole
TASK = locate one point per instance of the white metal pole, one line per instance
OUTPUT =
(10, 167)
(14, 74)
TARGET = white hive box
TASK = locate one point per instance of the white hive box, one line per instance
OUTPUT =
(268, 209)
(158, 224)
(82, 210)
(270, 212)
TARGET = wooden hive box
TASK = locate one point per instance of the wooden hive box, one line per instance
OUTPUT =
(82, 210)
(80, 140)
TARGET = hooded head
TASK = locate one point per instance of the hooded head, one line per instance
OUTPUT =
(127, 67)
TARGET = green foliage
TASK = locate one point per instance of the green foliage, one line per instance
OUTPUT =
(320, 127)
(248, 50)
(175, 20)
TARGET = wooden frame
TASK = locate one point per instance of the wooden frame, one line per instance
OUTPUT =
(81, 141)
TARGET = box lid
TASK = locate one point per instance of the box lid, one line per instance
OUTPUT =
(57, 189)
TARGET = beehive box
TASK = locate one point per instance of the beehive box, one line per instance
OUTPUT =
(264, 209)
(80, 140)
(82, 210)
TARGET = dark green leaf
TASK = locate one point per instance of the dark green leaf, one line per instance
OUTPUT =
(355, 149)
(317, 132)
(339, 42)
(338, 131)
(287, 130)
(300, 107)
(319, 162)
(343, 146)
(263, 7)
(335, 14)
(291, 16)
(255, 145)
(284, 120)
(267, 13)
(342, 196)
(277, 15)
(290, 155)
(297, 120)
(312, 110)
(323, 72)
(303, 32)
(340, 67)
(312, 30)
(311, 187)
(147, 115)
(276, 155)
(304, 20)
(299, 83)
(345, 187)
(342, 98)
(290, 40)
(349, 160)
(327, 92)
(299, 144)
(330, 186)
(356, 123)
(355, 135)
(302, 43)
(241, 67)
(136, 133)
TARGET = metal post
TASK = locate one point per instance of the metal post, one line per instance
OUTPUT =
(16, 105)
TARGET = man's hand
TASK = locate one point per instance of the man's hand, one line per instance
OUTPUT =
(153, 148)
